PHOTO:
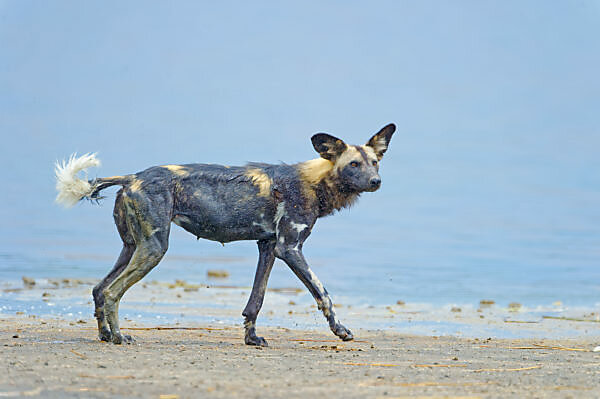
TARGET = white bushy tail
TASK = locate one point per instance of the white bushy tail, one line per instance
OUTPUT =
(71, 188)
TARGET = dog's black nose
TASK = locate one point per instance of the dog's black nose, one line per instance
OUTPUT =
(375, 182)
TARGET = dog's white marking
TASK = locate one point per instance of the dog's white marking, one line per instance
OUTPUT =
(316, 282)
(263, 225)
(71, 188)
(325, 307)
(278, 215)
(299, 227)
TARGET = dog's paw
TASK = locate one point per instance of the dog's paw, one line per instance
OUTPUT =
(343, 332)
(254, 340)
(105, 335)
(119, 339)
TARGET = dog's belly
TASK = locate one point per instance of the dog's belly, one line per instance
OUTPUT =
(225, 229)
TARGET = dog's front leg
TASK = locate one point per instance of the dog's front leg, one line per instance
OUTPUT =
(294, 258)
(266, 258)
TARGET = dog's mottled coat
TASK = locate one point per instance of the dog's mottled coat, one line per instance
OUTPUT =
(276, 205)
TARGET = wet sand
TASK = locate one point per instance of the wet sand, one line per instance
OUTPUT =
(47, 357)
(180, 303)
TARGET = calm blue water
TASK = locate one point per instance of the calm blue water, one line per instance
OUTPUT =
(469, 218)
(491, 185)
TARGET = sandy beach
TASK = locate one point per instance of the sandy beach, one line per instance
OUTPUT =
(49, 357)
(189, 343)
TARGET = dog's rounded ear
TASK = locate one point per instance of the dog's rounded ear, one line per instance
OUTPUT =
(380, 141)
(328, 146)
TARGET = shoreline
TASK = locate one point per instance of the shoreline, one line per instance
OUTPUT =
(180, 303)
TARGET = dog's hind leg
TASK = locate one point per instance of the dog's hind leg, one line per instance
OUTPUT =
(145, 258)
(148, 220)
(119, 215)
(103, 331)
(266, 258)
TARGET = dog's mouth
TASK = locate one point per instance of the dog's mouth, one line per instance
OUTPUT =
(372, 189)
(374, 184)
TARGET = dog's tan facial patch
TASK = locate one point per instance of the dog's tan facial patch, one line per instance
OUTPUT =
(260, 180)
(177, 170)
(351, 154)
(371, 155)
(369, 151)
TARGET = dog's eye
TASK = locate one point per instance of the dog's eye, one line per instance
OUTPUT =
(374, 163)
(354, 164)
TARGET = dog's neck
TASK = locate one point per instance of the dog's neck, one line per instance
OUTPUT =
(321, 182)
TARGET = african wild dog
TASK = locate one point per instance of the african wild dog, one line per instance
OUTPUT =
(276, 205)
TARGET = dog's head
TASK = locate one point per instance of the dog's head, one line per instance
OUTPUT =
(357, 167)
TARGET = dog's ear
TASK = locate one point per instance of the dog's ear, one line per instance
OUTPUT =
(380, 141)
(328, 146)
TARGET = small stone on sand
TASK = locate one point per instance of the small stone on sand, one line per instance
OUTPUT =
(28, 282)
(217, 273)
